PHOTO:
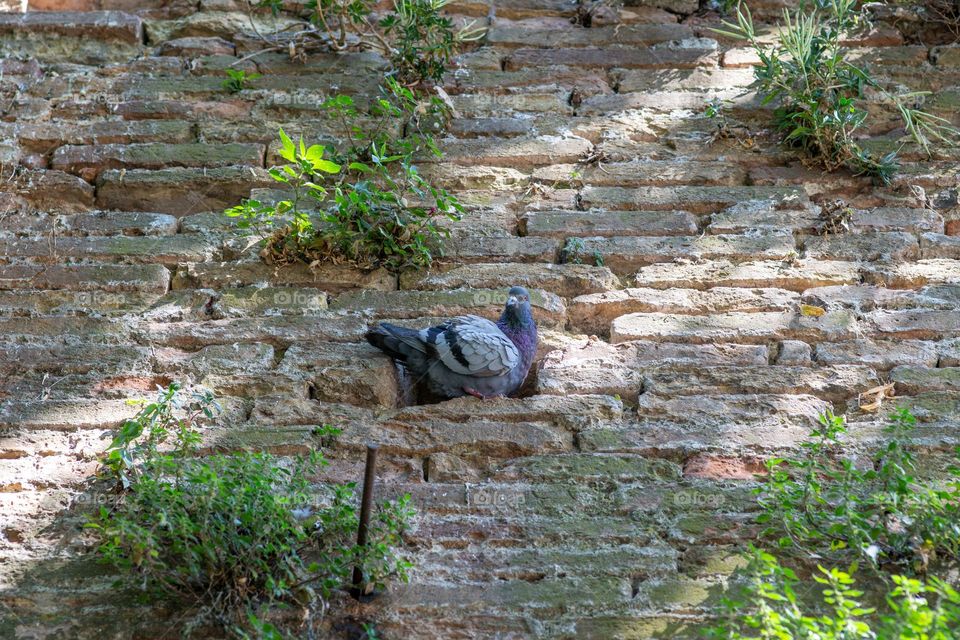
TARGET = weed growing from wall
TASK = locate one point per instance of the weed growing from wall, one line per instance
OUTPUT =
(818, 93)
(366, 204)
(415, 37)
(824, 509)
(230, 535)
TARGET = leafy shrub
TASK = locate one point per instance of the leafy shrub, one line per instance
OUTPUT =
(826, 506)
(237, 79)
(232, 533)
(770, 607)
(369, 204)
(422, 41)
(816, 90)
(573, 252)
(415, 37)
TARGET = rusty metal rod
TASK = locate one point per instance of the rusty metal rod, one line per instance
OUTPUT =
(366, 506)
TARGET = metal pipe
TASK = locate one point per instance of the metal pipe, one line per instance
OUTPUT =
(366, 506)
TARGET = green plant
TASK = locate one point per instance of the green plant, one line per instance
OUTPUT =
(415, 37)
(769, 607)
(231, 534)
(369, 204)
(817, 91)
(573, 251)
(237, 80)
(825, 505)
(422, 41)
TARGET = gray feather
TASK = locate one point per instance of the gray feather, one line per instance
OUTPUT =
(474, 346)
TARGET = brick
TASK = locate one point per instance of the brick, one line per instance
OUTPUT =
(75, 303)
(937, 245)
(912, 380)
(662, 102)
(863, 298)
(835, 383)
(913, 275)
(192, 111)
(593, 313)
(941, 407)
(729, 423)
(109, 26)
(22, 359)
(797, 276)
(695, 199)
(197, 47)
(352, 373)
(329, 278)
(63, 330)
(594, 366)
(168, 250)
(624, 254)
(698, 79)
(55, 191)
(870, 247)
(793, 353)
(749, 328)
(215, 359)
(562, 224)
(949, 352)
(459, 177)
(919, 325)
(757, 214)
(466, 248)
(632, 35)
(89, 161)
(897, 219)
(627, 58)
(505, 562)
(643, 173)
(152, 278)
(59, 415)
(543, 595)
(516, 152)
(574, 467)
(566, 280)
(44, 137)
(95, 223)
(281, 331)
(482, 127)
(520, 9)
(178, 191)
(548, 308)
(222, 24)
(879, 354)
(259, 300)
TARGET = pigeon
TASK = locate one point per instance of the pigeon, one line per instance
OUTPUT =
(467, 355)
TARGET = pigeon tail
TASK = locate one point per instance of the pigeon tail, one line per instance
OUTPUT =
(401, 344)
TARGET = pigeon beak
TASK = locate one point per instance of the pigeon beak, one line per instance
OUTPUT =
(512, 301)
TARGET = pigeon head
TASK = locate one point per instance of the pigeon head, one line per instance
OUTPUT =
(517, 311)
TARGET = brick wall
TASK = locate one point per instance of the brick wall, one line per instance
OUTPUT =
(608, 502)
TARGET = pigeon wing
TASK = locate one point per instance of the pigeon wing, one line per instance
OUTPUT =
(473, 346)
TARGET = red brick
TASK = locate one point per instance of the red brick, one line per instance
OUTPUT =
(630, 58)
(101, 25)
